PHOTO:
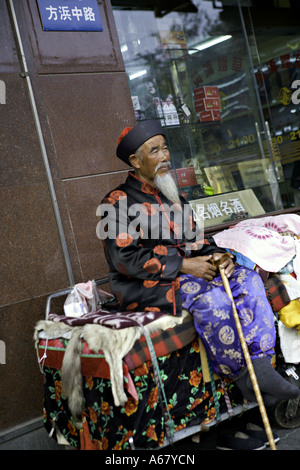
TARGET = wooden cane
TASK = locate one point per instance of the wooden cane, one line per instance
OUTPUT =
(245, 350)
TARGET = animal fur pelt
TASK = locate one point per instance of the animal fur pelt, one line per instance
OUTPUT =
(115, 344)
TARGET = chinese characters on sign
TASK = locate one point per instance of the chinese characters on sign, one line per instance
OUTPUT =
(70, 15)
(274, 65)
(220, 208)
(209, 68)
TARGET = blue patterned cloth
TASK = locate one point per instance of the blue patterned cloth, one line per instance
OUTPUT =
(214, 322)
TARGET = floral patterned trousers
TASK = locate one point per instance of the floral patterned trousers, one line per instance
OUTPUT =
(212, 311)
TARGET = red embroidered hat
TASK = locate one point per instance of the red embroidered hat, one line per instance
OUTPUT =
(131, 138)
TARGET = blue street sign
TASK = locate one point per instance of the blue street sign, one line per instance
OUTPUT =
(70, 15)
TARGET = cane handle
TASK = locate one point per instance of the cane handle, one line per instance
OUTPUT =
(221, 260)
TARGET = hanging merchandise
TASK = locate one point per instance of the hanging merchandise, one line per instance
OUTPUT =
(207, 103)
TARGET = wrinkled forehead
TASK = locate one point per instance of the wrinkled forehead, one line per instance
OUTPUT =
(154, 142)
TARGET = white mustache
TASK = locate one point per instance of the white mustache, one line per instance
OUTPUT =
(162, 165)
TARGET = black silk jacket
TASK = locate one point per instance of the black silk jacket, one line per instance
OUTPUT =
(145, 241)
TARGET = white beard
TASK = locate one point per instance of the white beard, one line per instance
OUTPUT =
(167, 186)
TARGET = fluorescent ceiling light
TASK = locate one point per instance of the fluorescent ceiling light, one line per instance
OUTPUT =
(210, 43)
(137, 74)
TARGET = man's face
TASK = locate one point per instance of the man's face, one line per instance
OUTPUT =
(155, 153)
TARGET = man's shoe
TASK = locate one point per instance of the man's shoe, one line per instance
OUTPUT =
(239, 441)
(253, 430)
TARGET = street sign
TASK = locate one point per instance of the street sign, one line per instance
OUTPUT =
(70, 15)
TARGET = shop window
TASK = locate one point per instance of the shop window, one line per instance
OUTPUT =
(191, 68)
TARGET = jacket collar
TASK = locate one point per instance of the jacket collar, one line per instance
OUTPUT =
(141, 185)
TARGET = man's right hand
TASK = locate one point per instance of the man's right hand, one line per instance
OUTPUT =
(199, 267)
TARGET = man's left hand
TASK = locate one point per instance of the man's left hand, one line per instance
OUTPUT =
(227, 264)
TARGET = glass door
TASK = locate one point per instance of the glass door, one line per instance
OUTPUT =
(192, 69)
(275, 49)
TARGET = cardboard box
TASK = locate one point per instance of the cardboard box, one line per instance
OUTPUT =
(206, 92)
(185, 176)
(207, 104)
(212, 115)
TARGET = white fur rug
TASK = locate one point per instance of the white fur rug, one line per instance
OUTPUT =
(115, 344)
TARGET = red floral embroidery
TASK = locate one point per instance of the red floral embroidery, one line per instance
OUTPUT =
(153, 265)
(169, 295)
(160, 250)
(149, 284)
(118, 195)
(115, 196)
(132, 306)
(148, 208)
(124, 239)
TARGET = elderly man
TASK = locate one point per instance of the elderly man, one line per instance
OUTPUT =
(159, 262)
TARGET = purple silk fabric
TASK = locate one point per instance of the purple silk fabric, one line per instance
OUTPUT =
(212, 311)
